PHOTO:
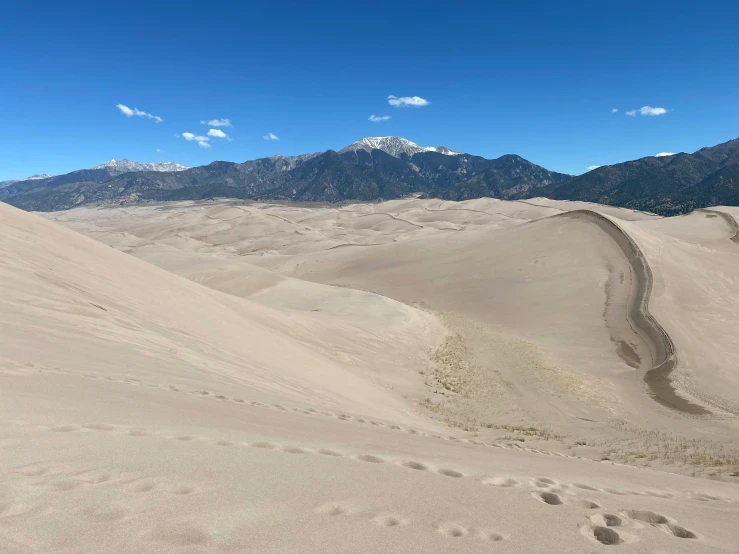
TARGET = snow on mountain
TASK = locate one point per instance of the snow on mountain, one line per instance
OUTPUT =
(31, 178)
(118, 167)
(395, 146)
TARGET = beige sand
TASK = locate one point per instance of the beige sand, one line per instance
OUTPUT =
(246, 409)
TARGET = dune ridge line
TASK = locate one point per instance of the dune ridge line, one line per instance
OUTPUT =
(664, 353)
(730, 221)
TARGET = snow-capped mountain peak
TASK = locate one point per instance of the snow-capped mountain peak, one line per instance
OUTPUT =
(37, 177)
(395, 146)
(117, 167)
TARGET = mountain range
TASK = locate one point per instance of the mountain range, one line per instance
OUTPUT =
(380, 168)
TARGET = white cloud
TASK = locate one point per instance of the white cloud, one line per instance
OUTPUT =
(129, 112)
(201, 140)
(218, 123)
(218, 134)
(663, 154)
(592, 167)
(407, 101)
(377, 118)
(614, 110)
(191, 136)
(160, 151)
(647, 110)
(271, 136)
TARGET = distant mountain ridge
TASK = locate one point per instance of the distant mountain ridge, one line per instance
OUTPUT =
(98, 174)
(126, 166)
(380, 168)
(370, 169)
(667, 185)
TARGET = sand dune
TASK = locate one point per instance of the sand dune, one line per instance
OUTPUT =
(252, 407)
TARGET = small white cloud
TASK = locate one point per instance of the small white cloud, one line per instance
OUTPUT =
(407, 101)
(614, 110)
(201, 140)
(271, 136)
(647, 110)
(218, 134)
(663, 154)
(377, 118)
(592, 167)
(129, 112)
(160, 151)
(218, 123)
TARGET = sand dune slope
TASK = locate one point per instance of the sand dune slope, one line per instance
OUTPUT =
(141, 412)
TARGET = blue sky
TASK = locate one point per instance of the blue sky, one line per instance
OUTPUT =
(539, 79)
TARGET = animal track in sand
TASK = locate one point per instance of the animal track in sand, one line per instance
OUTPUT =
(263, 444)
(183, 490)
(450, 473)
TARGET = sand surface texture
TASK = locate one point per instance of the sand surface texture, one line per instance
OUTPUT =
(408, 376)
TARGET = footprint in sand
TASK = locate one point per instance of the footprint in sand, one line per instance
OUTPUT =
(390, 521)
(548, 498)
(453, 530)
(371, 459)
(668, 525)
(606, 520)
(295, 450)
(329, 452)
(500, 482)
(584, 503)
(606, 535)
(415, 465)
(334, 509)
(450, 473)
